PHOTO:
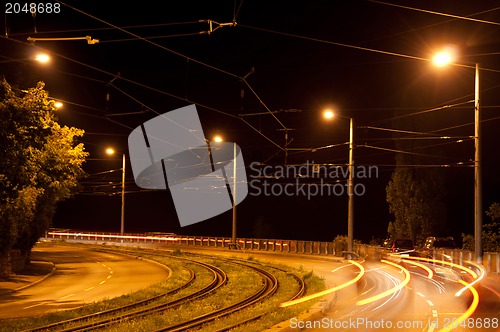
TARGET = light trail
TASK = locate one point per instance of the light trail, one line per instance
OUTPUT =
(389, 291)
(395, 281)
(469, 311)
(430, 274)
(483, 273)
(330, 290)
(458, 266)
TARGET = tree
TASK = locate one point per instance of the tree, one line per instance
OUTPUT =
(494, 211)
(40, 163)
(490, 234)
(415, 199)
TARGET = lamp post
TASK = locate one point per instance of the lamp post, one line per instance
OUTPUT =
(111, 151)
(233, 243)
(441, 59)
(328, 114)
(478, 200)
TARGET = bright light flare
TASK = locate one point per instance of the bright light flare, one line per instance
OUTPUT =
(328, 114)
(218, 139)
(58, 104)
(110, 151)
(389, 291)
(42, 58)
(444, 57)
(330, 290)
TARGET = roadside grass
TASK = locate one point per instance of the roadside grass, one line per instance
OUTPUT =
(241, 283)
(240, 279)
(269, 309)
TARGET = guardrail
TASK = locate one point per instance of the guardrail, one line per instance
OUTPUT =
(491, 261)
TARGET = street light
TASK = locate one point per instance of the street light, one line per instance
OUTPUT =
(111, 151)
(42, 58)
(441, 59)
(219, 139)
(444, 57)
(328, 114)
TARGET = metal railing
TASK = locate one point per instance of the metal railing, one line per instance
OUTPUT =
(491, 261)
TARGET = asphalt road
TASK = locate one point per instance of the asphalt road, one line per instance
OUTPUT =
(424, 304)
(81, 276)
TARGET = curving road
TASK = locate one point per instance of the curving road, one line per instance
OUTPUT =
(82, 276)
(423, 305)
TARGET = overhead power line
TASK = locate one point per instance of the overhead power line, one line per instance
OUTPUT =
(152, 89)
(361, 48)
(111, 28)
(436, 13)
(423, 112)
(182, 55)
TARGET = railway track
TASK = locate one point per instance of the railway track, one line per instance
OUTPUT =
(269, 286)
(117, 315)
(300, 292)
(141, 309)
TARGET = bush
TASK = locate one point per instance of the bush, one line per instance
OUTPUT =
(340, 244)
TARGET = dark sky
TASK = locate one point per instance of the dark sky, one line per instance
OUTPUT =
(306, 56)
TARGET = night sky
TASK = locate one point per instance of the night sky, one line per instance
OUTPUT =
(363, 59)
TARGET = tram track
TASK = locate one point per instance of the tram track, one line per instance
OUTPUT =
(142, 309)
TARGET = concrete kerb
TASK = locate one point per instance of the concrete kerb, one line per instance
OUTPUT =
(34, 282)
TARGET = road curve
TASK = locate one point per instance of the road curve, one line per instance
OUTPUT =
(423, 305)
(82, 276)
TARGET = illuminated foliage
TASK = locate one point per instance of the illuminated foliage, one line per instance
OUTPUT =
(40, 163)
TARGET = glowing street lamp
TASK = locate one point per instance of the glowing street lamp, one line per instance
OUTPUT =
(42, 58)
(444, 57)
(58, 104)
(329, 114)
(219, 139)
(111, 151)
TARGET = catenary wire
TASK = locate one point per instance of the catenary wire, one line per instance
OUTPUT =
(152, 89)
(111, 28)
(407, 56)
(175, 53)
(430, 25)
(435, 13)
